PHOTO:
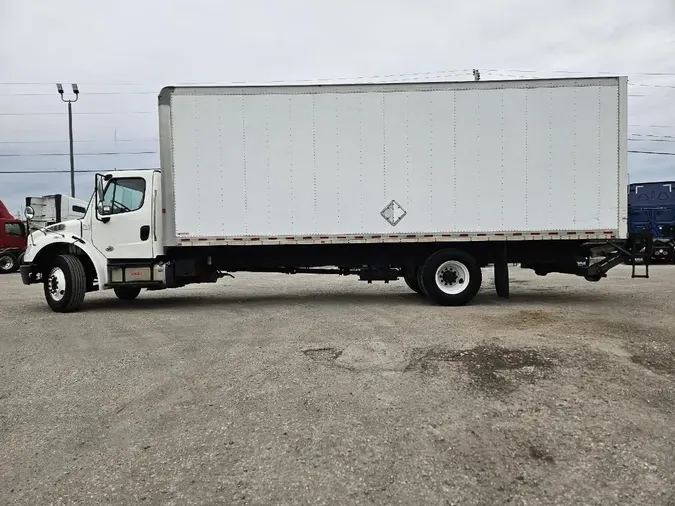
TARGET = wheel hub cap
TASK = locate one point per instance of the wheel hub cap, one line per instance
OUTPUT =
(452, 277)
(6, 263)
(57, 284)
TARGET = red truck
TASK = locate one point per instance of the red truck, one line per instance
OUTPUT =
(12, 241)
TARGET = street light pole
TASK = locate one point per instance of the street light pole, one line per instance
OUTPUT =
(76, 91)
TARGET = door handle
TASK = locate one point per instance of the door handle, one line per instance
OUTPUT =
(145, 232)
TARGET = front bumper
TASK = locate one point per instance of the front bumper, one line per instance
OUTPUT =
(29, 274)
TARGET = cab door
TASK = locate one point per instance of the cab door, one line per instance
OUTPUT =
(122, 224)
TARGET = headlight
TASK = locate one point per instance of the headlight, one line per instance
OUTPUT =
(29, 212)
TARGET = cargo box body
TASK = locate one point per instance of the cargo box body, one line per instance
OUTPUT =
(386, 162)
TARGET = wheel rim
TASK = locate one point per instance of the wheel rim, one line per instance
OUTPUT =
(452, 277)
(56, 284)
(6, 263)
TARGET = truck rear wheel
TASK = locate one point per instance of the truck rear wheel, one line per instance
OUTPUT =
(65, 284)
(127, 292)
(8, 263)
(451, 277)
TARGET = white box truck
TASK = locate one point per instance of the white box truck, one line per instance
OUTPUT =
(429, 182)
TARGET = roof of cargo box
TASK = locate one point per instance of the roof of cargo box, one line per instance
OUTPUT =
(166, 92)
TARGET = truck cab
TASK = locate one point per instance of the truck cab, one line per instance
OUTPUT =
(114, 245)
(12, 241)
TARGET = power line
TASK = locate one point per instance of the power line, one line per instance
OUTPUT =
(106, 113)
(88, 93)
(82, 154)
(652, 85)
(155, 93)
(408, 77)
(604, 72)
(107, 141)
(653, 135)
(404, 74)
(653, 126)
(643, 85)
(652, 140)
(651, 153)
(217, 83)
(39, 171)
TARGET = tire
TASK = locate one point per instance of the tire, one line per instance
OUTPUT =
(127, 292)
(502, 280)
(451, 277)
(8, 263)
(413, 283)
(420, 282)
(65, 284)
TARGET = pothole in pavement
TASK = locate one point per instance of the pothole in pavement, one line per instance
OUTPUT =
(540, 454)
(491, 368)
(371, 356)
(525, 319)
(322, 354)
(657, 360)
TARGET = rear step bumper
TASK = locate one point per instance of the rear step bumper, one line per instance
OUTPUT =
(638, 247)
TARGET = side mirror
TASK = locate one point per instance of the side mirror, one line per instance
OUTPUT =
(99, 188)
(100, 208)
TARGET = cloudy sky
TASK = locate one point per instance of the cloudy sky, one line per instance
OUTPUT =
(121, 53)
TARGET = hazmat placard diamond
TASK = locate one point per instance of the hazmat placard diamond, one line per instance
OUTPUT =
(393, 213)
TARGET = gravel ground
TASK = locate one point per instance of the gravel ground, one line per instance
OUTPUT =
(273, 389)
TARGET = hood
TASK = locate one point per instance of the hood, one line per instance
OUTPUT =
(64, 228)
(4, 213)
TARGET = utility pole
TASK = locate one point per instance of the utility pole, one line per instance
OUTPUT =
(76, 91)
(476, 75)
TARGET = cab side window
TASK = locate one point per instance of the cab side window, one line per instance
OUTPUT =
(15, 229)
(124, 195)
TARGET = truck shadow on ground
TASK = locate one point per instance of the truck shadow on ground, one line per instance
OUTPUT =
(346, 298)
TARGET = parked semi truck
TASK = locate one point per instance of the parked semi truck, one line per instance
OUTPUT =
(12, 241)
(651, 208)
(51, 209)
(429, 182)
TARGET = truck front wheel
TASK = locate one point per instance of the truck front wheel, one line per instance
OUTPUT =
(127, 292)
(65, 284)
(451, 277)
